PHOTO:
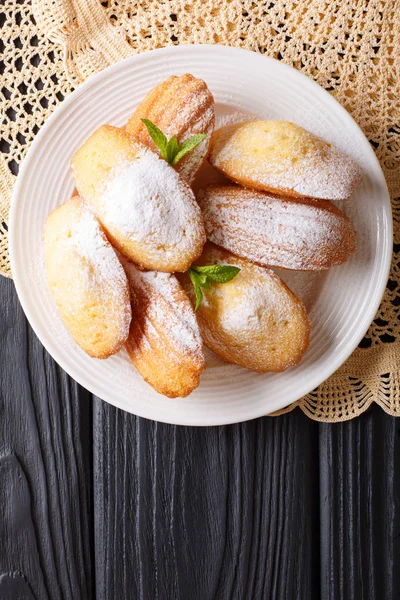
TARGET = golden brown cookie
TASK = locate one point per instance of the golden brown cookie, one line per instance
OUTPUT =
(164, 341)
(86, 279)
(254, 321)
(148, 211)
(303, 235)
(182, 106)
(283, 158)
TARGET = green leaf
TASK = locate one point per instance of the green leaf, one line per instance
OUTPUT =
(172, 149)
(218, 273)
(187, 146)
(157, 136)
(202, 279)
(197, 288)
(202, 276)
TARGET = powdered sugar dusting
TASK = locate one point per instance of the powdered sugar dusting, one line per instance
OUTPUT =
(248, 312)
(167, 308)
(146, 200)
(86, 279)
(191, 163)
(254, 321)
(202, 124)
(278, 155)
(102, 264)
(273, 231)
(263, 295)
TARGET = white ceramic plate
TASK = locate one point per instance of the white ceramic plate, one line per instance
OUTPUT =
(342, 302)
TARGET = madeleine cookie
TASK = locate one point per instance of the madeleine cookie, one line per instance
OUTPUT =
(148, 211)
(254, 321)
(164, 341)
(181, 106)
(303, 235)
(283, 158)
(86, 279)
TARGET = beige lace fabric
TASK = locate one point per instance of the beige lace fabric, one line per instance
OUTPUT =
(350, 47)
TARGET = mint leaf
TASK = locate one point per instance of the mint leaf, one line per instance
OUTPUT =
(187, 146)
(218, 273)
(197, 288)
(157, 136)
(202, 277)
(172, 149)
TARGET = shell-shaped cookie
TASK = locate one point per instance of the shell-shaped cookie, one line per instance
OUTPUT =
(148, 211)
(164, 341)
(182, 106)
(283, 158)
(303, 235)
(86, 279)
(254, 321)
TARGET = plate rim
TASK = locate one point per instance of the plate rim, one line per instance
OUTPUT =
(387, 233)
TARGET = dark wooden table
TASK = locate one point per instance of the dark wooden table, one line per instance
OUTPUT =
(97, 503)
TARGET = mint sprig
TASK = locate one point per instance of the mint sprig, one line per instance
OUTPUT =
(187, 146)
(202, 277)
(171, 150)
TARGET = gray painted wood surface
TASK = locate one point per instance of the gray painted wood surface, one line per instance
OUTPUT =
(96, 503)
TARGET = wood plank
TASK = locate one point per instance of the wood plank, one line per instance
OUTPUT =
(45, 468)
(202, 513)
(360, 508)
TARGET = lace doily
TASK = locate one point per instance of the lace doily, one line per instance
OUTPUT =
(350, 47)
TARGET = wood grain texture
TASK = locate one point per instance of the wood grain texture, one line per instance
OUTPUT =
(205, 513)
(277, 508)
(360, 507)
(45, 469)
